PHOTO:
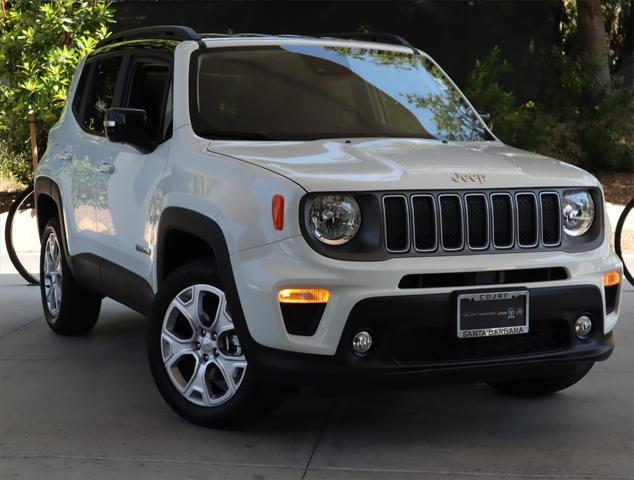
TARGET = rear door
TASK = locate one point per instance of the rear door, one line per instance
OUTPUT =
(86, 209)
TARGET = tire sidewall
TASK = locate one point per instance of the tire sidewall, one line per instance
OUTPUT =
(80, 307)
(52, 227)
(219, 415)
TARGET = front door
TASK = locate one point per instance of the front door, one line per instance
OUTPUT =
(132, 187)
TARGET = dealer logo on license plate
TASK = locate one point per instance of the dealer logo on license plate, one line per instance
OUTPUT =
(491, 314)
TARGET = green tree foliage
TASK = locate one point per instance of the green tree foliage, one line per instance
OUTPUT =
(573, 119)
(41, 43)
(520, 124)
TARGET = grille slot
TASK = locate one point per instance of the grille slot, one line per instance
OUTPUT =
(551, 219)
(527, 220)
(396, 223)
(451, 221)
(477, 221)
(471, 279)
(424, 221)
(502, 205)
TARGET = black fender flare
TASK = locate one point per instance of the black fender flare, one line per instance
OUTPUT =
(44, 186)
(207, 230)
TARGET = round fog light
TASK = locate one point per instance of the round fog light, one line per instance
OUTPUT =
(583, 327)
(362, 342)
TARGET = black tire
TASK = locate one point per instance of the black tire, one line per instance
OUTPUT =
(8, 235)
(541, 387)
(250, 399)
(78, 310)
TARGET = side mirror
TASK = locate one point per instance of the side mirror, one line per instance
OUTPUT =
(128, 125)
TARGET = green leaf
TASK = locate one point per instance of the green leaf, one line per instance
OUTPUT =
(42, 42)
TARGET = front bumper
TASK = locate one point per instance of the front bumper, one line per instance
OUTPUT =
(261, 272)
(415, 339)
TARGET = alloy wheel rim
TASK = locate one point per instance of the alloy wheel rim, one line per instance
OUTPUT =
(200, 348)
(53, 274)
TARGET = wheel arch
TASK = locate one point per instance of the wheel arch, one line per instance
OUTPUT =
(185, 235)
(203, 231)
(48, 204)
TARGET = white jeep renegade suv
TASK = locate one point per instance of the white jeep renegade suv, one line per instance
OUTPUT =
(292, 209)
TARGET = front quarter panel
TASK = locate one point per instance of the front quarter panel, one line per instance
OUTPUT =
(236, 195)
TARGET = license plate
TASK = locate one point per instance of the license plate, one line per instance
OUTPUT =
(490, 314)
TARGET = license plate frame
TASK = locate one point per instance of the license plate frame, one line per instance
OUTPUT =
(492, 313)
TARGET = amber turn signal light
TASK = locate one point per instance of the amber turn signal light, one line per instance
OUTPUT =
(303, 295)
(277, 210)
(611, 278)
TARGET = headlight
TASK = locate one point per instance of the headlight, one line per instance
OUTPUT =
(334, 219)
(578, 212)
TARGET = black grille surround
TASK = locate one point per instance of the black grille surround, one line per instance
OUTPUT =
(428, 223)
(489, 221)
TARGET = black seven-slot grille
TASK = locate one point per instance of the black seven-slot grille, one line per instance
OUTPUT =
(471, 221)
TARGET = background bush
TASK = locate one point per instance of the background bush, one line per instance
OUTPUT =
(15, 162)
(41, 43)
(574, 118)
(570, 117)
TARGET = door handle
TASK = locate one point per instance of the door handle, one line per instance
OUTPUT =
(106, 167)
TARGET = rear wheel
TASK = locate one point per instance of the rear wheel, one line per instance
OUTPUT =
(195, 353)
(69, 308)
(540, 387)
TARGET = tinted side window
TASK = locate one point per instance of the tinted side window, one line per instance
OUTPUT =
(101, 93)
(169, 114)
(148, 88)
(80, 91)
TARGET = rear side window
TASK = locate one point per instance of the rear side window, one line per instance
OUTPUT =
(80, 91)
(100, 94)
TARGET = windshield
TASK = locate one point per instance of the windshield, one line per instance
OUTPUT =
(307, 92)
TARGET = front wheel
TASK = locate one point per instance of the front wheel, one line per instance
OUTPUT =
(195, 353)
(541, 387)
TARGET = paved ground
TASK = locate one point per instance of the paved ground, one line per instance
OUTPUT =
(87, 408)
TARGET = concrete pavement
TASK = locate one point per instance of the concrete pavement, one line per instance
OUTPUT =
(77, 408)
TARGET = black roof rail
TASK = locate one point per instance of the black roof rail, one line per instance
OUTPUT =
(235, 35)
(249, 34)
(213, 35)
(370, 37)
(158, 32)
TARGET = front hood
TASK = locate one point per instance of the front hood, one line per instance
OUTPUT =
(404, 164)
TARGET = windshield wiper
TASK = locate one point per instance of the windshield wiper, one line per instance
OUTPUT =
(228, 135)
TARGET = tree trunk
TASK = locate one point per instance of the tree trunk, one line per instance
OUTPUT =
(625, 68)
(594, 41)
(35, 158)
